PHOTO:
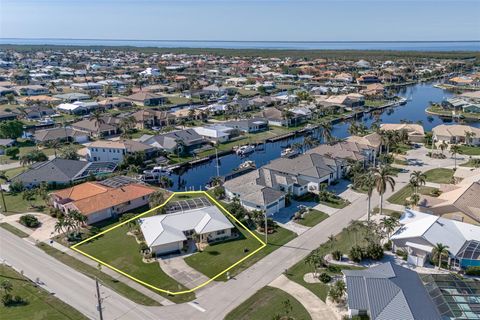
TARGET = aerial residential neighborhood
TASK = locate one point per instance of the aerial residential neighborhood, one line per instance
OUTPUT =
(237, 179)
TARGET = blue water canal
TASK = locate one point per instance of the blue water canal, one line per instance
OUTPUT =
(419, 96)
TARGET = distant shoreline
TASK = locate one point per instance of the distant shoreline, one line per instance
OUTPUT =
(396, 46)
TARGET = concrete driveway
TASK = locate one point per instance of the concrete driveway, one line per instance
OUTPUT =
(179, 270)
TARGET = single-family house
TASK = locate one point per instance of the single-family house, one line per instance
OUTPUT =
(148, 118)
(420, 232)
(179, 141)
(115, 151)
(169, 233)
(388, 291)
(456, 133)
(99, 201)
(147, 99)
(61, 134)
(415, 132)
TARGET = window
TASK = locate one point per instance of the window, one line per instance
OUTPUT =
(220, 232)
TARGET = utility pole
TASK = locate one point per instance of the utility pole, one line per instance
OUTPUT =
(99, 299)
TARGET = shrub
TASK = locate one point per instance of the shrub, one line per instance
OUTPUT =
(325, 278)
(16, 187)
(356, 254)
(12, 152)
(374, 251)
(333, 268)
(337, 255)
(387, 246)
(402, 254)
(143, 247)
(473, 271)
(29, 220)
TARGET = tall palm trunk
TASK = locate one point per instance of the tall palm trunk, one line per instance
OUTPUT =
(381, 203)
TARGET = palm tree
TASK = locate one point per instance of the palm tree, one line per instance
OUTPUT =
(367, 182)
(383, 178)
(443, 146)
(417, 179)
(310, 142)
(326, 131)
(439, 251)
(288, 115)
(454, 150)
(414, 199)
(389, 224)
(97, 118)
(469, 135)
(315, 260)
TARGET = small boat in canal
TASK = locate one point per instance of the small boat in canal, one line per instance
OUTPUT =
(244, 150)
(289, 153)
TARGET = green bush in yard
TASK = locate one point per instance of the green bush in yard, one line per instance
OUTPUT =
(29, 220)
(473, 271)
(12, 152)
(324, 277)
(337, 255)
(356, 254)
(374, 251)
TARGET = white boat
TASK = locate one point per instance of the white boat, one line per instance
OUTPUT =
(247, 164)
(243, 150)
(289, 152)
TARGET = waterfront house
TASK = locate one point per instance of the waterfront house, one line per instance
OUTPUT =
(72, 97)
(456, 134)
(179, 141)
(115, 151)
(415, 132)
(99, 201)
(31, 90)
(78, 107)
(388, 291)
(216, 133)
(169, 233)
(248, 125)
(420, 232)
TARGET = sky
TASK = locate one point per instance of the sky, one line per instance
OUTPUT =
(242, 20)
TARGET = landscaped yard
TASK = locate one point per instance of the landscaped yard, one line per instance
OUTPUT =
(472, 163)
(338, 203)
(312, 218)
(349, 237)
(105, 279)
(265, 304)
(122, 252)
(41, 305)
(217, 257)
(470, 151)
(16, 204)
(401, 195)
(439, 175)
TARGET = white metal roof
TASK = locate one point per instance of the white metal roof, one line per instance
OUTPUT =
(168, 228)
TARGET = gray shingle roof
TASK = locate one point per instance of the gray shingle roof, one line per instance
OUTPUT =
(58, 170)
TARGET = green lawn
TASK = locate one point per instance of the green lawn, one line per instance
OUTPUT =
(217, 257)
(336, 203)
(16, 204)
(470, 151)
(105, 279)
(343, 242)
(41, 304)
(10, 173)
(13, 230)
(312, 218)
(406, 192)
(122, 252)
(439, 175)
(475, 163)
(267, 303)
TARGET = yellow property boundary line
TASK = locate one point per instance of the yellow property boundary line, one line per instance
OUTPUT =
(263, 244)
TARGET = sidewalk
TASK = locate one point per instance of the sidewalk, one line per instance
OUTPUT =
(149, 293)
(317, 309)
